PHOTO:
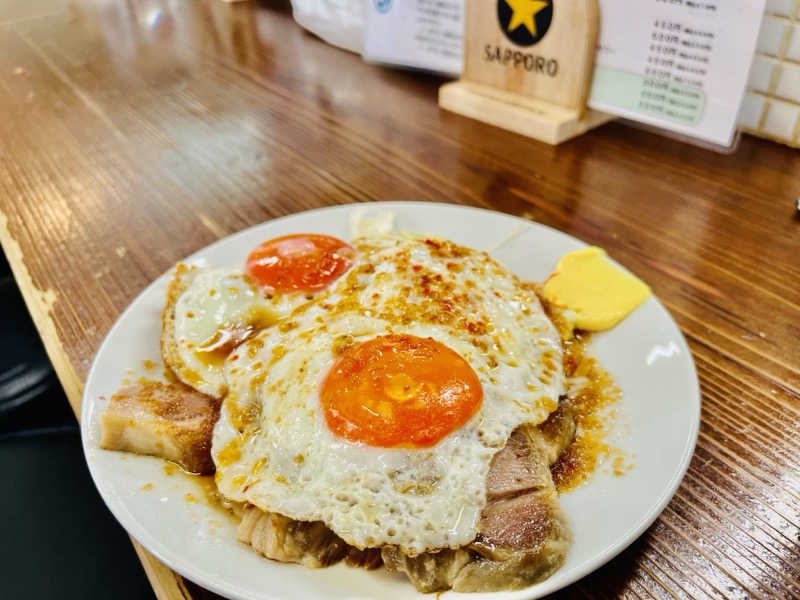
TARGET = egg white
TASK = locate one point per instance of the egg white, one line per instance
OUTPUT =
(217, 300)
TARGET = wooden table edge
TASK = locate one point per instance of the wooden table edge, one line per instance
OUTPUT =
(167, 585)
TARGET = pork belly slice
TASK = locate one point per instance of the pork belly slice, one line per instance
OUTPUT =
(309, 543)
(171, 421)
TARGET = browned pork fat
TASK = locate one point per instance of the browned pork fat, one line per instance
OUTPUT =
(429, 571)
(170, 421)
(309, 543)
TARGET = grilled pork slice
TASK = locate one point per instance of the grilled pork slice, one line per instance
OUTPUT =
(516, 468)
(170, 421)
(558, 431)
(309, 543)
(522, 541)
(523, 536)
(523, 464)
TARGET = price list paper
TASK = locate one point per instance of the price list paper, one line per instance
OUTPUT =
(681, 65)
(425, 34)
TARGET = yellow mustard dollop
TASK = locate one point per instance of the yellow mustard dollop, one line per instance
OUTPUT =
(599, 294)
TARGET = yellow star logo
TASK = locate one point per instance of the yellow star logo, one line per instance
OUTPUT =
(524, 11)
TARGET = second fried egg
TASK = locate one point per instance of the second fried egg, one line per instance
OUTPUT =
(219, 308)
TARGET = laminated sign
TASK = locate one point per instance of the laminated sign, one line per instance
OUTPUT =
(528, 67)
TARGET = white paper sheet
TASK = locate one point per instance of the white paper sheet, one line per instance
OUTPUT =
(681, 65)
(426, 34)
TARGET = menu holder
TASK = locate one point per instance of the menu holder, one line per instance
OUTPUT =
(528, 67)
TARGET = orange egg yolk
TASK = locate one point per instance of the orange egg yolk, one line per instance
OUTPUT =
(304, 262)
(399, 391)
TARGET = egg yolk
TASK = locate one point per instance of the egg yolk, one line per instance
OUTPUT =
(399, 391)
(304, 262)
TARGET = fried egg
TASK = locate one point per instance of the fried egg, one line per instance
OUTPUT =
(377, 408)
(219, 308)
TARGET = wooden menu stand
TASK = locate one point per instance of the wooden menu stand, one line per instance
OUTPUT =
(528, 67)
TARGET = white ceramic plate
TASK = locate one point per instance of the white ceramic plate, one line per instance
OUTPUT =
(659, 418)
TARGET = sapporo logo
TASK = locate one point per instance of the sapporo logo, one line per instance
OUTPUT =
(525, 22)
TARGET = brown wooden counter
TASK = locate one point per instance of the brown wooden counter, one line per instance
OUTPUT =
(135, 132)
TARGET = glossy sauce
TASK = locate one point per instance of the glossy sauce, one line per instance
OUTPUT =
(591, 406)
(593, 420)
(206, 492)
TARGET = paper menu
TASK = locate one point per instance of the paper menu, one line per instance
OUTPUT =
(426, 34)
(681, 65)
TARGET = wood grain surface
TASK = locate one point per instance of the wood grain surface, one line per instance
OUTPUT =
(135, 132)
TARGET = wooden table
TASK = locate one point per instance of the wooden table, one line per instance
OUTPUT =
(134, 133)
